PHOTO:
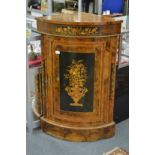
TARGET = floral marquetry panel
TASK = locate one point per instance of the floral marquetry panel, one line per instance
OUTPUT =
(76, 81)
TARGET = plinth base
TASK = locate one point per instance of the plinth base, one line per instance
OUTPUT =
(78, 134)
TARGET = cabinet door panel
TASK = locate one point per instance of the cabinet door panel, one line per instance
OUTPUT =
(76, 97)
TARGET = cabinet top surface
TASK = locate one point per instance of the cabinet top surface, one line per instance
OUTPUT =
(78, 19)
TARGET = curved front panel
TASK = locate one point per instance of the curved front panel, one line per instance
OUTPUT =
(76, 81)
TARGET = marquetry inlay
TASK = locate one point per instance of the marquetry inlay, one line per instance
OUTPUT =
(76, 76)
(72, 30)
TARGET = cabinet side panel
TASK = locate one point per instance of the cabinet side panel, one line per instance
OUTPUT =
(114, 50)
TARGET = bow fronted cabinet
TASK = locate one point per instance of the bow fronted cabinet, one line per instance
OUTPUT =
(75, 89)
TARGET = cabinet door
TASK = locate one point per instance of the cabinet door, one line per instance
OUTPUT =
(76, 75)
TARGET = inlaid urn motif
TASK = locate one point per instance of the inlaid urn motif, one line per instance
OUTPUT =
(76, 76)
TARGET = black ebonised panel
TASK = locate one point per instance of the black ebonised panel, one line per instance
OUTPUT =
(65, 60)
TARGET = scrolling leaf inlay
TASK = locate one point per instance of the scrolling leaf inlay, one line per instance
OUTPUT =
(76, 30)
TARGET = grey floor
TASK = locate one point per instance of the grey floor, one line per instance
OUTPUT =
(39, 143)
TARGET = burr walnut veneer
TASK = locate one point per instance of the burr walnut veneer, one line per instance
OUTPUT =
(76, 86)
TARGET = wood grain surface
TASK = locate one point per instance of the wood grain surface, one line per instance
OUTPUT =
(72, 125)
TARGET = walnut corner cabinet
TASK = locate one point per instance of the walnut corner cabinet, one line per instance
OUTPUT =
(75, 87)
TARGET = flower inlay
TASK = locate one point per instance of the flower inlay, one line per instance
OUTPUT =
(76, 75)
